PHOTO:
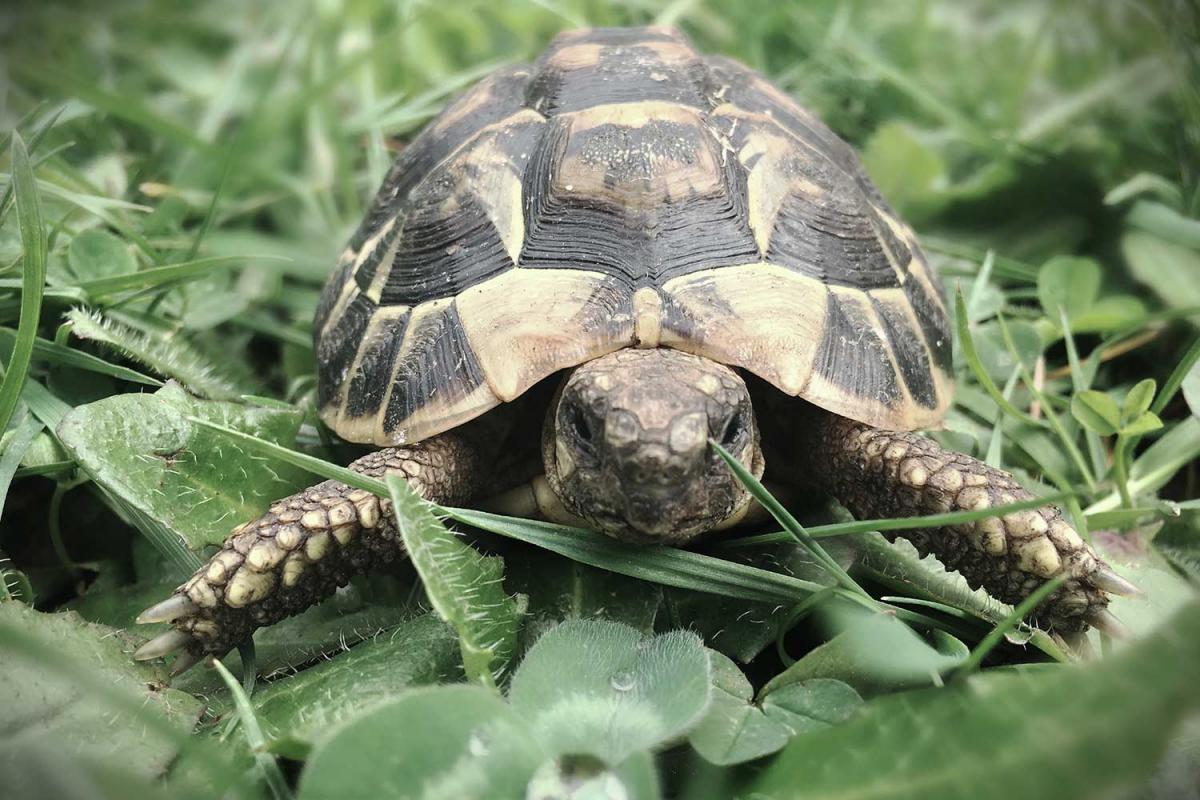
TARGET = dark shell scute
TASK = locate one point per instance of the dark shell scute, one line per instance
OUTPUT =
(852, 355)
(437, 341)
(337, 345)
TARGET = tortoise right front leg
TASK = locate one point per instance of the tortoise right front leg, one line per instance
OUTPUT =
(303, 549)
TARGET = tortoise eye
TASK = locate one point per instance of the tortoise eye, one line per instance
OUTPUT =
(580, 425)
(734, 427)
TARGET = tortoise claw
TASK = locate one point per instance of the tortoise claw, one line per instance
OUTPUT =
(183, 662)
(1103, 620)
(169, 610)
(161, 645)
(1107, 580)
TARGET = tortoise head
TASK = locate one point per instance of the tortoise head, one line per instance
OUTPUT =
(627, 445)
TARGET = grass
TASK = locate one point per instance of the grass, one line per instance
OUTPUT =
(178, 180)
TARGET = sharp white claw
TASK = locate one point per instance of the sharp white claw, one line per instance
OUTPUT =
(1109, 581)
(161, 645)
(1103, 620)
(183, 662)
(169, 610)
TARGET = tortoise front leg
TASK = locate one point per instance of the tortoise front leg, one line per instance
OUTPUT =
(877, 474)
(304, 548)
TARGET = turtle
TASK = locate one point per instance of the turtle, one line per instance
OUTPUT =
(579, 277)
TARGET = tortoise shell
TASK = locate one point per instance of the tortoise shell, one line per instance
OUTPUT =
(625, 191)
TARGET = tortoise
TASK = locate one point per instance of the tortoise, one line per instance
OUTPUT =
(577, 277)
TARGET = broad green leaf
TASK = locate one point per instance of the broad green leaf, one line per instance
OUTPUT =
(604, 689)
(811, 705)
(735, 730)
(1138, 400)
(45, 706)
(465, 588)
(873, 653)
(1147, 422)
(297, 710)
(99, 254)
(458, 742)
(993, 351)
(1062, 732)
(1111, 313)
(1169, 269)
(196, 484)
(1068, 283)
(909, 173)
(1165, 222)
(1097, 412)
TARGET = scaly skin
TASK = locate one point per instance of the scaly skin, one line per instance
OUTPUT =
(304, 548)
(877, 473)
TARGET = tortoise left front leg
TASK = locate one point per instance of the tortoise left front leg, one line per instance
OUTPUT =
(305, 547)
(884, 474)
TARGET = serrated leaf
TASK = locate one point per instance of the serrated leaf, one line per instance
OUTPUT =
(1066, 731)
(604, 689)
(1097, 412)
(194, 484)
(297, 710)
(170, 356)
(458, 742)
(1137, 401)
(99, 254)
(42, 706)
(465, 587)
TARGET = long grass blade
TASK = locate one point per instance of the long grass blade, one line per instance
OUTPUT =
(33, 245)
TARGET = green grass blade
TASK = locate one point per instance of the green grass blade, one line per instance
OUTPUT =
(272, 774)
(33, 245)
(669, 566)
(900, 524)
(976, 364)
(1048, 409)
(789, 523)
(102, 288)
(1080, 383)
(1172, 384)
(1019, 613)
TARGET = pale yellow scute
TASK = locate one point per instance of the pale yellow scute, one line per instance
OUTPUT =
(528, 323)
(761, 317)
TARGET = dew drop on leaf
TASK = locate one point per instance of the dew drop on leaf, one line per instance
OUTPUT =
(621, 681)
